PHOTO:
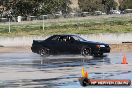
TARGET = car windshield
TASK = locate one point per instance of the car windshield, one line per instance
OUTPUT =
(78, 38)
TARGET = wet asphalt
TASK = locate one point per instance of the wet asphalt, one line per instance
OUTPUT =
(29, 70)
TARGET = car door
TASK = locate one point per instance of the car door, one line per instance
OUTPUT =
(63, 47)
(54, 43)
(72, 45)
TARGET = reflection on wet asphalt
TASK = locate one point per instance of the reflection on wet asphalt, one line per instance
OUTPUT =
(28, 70)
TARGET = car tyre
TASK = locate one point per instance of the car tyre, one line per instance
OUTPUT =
(86, 51)
(44, 52)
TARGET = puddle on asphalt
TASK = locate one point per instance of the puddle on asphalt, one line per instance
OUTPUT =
(32, 71)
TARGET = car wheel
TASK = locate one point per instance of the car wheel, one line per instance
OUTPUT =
(44, 52)
(86, 51)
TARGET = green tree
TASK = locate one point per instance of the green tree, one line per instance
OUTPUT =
(109, 5)
(126, 4)
(93, 5)
(52, 6)
(90, 5)
(36, 7)
(65, 6)
(25, 8)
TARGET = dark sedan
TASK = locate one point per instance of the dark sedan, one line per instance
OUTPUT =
(69, 44)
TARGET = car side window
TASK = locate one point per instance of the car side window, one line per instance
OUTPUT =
(63, 39)
(71, 39)
(75, 38)
(56, 38)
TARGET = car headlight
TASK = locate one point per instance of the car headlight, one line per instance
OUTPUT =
(98, 46)
(102, 45)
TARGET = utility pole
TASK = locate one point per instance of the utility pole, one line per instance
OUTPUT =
(9, 15)
(9, 25)
(43, 22)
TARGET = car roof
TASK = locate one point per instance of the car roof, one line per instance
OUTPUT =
(66, 35)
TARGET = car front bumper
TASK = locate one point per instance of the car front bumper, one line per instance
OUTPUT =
(35, 49)
(102, 50)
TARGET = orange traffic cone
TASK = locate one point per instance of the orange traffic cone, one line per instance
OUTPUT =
(86, 75)
(124, 60)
